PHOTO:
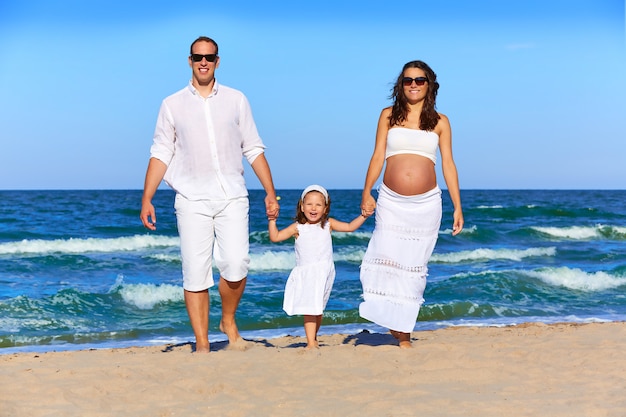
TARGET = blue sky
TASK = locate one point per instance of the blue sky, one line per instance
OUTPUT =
(535, 90)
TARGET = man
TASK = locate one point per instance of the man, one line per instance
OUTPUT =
(202, 134)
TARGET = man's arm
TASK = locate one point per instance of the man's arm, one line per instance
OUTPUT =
(262, 170)
(154, 176)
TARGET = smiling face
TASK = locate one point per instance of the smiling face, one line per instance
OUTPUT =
(203, 72)
(413, 92)
(313, 206)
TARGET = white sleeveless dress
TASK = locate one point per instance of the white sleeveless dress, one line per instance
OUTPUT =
(311, 281)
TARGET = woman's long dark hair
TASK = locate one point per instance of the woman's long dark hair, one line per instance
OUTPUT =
(429, 117)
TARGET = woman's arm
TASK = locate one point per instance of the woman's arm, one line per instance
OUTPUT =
(368, 203)
(450, 174)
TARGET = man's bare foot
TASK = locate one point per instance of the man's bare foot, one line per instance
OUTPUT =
(239, 345)
(230, 331)
(202, 348)
(235, 341)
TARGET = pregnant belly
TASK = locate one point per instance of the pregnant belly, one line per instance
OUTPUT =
(410, 174)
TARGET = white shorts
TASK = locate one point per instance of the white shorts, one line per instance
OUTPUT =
(212, 230)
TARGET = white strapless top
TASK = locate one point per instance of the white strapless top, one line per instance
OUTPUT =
(419, 142)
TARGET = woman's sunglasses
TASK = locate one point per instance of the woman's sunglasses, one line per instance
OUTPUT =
(407, 81)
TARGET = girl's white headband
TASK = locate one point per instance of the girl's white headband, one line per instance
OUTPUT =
(317, 188)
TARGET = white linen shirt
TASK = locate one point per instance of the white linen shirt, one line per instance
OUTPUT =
(203, 141)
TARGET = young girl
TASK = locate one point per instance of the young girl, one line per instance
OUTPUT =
(310, 282)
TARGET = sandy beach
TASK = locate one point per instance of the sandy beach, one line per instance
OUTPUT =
(527, 370)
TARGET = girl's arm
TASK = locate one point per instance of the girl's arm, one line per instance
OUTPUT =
(338, 226)
(449, 172)
(280, 235)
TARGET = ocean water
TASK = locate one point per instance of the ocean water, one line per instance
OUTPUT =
(78, 270)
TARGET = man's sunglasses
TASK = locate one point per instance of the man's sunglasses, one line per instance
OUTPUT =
(198, 57)
(407, 81)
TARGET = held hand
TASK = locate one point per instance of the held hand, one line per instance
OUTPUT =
(458, 222)
(368, 205)
(148, 216)
(272, 208)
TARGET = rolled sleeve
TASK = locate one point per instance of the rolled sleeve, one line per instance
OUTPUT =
(252, 145)
(252, 153)
(163, 146)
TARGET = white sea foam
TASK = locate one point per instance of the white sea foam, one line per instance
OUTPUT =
(349, 254)
(583, 232)
(165, 257)
(352, 235)
(272, 260)
(129, 243)
(17, 324)
(572, 232)
(146, 296)
(484, 254)
(466, 230)
(577, 279)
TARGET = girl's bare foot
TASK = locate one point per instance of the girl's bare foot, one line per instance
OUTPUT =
(312, 346)
(404, 339)
(405, 344)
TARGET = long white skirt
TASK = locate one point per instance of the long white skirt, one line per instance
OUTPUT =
(394, 268)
